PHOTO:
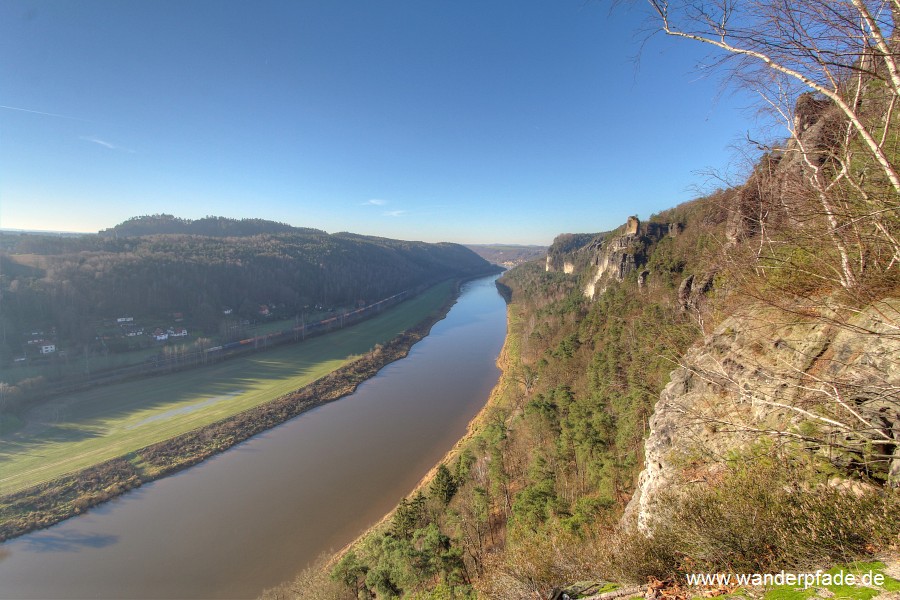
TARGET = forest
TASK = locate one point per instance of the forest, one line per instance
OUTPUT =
(160, 265)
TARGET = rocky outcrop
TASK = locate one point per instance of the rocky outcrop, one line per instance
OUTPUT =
(642, 278)
(615, 257)
(693, 289)
(565, 251)
(608, 257)
(774, 373)
(613, 263)
(557, 263)
(781, 176)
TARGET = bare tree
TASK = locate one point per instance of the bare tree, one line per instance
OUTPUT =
(841, 57)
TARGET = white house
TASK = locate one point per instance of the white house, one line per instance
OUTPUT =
(48, 348)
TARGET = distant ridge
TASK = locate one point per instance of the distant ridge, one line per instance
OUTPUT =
(212, 226)
(43, 232)
(508, 255)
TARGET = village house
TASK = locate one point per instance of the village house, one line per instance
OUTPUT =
(132, 330)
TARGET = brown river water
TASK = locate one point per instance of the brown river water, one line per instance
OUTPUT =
(249, 518)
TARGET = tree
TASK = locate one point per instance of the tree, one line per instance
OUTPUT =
(843, 54)
(350, 571)
(823, 47)
(444, 485)
(409, 516)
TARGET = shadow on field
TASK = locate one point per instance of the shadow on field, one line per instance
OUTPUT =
(53, 434)
(89, 415)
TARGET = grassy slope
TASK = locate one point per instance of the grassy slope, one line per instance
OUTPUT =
(87, 428)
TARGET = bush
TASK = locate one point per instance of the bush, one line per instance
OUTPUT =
(759, 518)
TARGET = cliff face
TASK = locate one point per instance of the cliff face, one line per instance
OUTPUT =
(613, 261)
(811, 373)
(557, 263)
(832, 389)
(770, 195)
(624, 254)
(608, 257)
(568, 251)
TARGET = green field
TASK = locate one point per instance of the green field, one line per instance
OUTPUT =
(80, 430)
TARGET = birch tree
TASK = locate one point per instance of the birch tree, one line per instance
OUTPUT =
(842, 54)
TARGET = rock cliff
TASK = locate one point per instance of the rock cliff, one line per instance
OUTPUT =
(568, 251)
(608, 257)
(830, 389)
(805, 370)
(614, 260)
(770, 196)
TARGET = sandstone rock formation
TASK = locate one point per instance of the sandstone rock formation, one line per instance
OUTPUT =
(566, 250)
(618, 256)
(763, 374)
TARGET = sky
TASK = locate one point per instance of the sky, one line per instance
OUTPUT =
(471, 121)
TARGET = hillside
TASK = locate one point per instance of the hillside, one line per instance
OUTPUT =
(109, 293)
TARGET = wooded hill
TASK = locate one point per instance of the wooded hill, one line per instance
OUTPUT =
(200, 269)
(208, 226)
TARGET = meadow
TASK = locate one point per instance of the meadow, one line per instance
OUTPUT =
(73, 432)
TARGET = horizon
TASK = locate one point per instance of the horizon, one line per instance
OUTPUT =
(509, 123)
(75, 233)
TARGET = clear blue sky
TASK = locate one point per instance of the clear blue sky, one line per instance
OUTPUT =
(463, 120)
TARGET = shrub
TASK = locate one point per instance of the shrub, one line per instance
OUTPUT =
(759, 518)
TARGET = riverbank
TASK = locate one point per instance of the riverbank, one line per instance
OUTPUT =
(48, 503)
(308, 581)
(473, 429)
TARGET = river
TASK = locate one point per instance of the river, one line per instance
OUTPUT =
(247, 519)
